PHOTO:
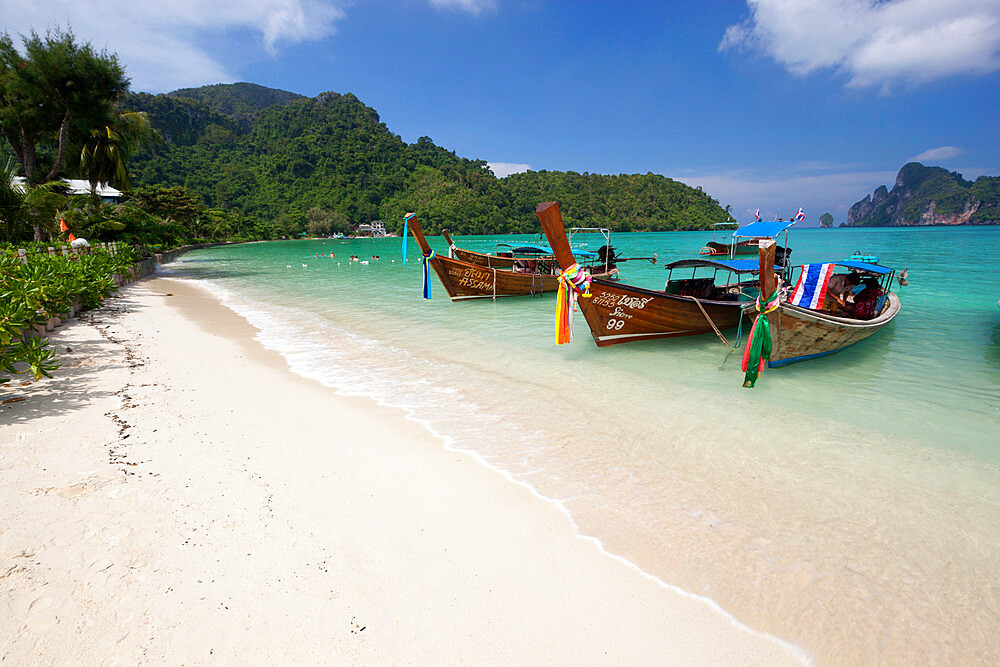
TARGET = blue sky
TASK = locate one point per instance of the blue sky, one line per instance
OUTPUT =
(763, 103)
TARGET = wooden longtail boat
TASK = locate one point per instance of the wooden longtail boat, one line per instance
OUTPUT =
(467, 280)
(521, 255)
(798, 333)
(716, 249)
(618, 313)
(745, 240)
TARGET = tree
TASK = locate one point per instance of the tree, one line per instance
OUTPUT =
(826, 220)
(339, 223)
(318, 221)
(23, 207)
(145, 228)
(105, 153)
(53, 95)
(289, 224)
(163, 202)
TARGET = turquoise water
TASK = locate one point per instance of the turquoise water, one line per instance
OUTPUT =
(873, 471)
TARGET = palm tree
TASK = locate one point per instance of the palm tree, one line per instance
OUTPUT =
(25, 210)
(104, 156)
(89, 217)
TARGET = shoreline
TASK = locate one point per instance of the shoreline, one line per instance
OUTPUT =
(364, 536)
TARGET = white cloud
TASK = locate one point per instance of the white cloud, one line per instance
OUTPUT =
(166, 44)
(162, 43)
(939, 153)
(872, 42)
(501, 169)
(471, 6)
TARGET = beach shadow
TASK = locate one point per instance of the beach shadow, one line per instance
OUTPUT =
(70, 388)
(83, 359)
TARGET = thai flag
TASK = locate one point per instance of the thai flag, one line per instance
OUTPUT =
(800, 215)
(757, 215)
(810, 291)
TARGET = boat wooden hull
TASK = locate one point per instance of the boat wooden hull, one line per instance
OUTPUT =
(618, 313)
(464, 280)
(798, 334)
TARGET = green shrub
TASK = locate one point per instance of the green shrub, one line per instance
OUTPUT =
(48, 286)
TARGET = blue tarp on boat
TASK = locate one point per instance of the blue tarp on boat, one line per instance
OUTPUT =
(764, 228)
(735, 265)
(546, 250)
(864, 266)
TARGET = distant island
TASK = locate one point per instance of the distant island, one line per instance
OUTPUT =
(276, 155)
(929, 196)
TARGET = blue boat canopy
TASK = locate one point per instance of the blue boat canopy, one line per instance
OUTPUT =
(864, 266)
(734, 265)
(546, 250)
(764, 228)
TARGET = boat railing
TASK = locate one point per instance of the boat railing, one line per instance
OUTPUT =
(603, 231)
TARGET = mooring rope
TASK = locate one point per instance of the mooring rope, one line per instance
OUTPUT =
(702, 309)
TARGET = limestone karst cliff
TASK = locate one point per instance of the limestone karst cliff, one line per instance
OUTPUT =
(929, 196)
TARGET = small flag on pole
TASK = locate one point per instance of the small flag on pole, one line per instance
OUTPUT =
(800, 215)
(756, 215)
(63, 227)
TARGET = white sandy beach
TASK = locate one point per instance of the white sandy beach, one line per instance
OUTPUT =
(176, 495)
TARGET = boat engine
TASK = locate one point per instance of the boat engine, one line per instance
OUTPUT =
(606, 254)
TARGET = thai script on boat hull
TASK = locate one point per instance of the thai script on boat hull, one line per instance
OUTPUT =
(619, 301)
(472, 279)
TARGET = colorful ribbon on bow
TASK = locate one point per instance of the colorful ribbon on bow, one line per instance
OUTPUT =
(406, 232)
(426, 260)
(758, 349)
(570, 281)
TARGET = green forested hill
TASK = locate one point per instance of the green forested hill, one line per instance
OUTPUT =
(239, 101)
(180, 123)
(277, 155)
